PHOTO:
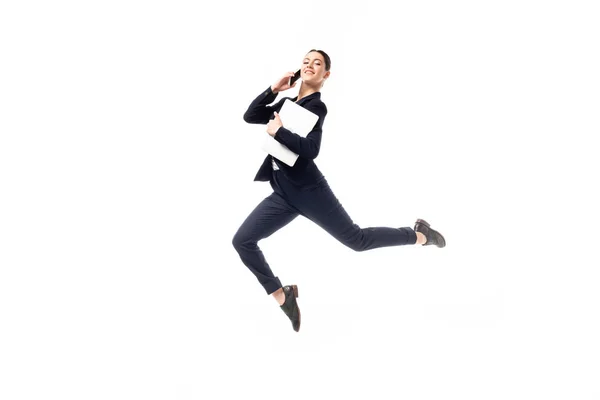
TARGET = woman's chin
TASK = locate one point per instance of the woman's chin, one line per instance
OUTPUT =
(310, 81)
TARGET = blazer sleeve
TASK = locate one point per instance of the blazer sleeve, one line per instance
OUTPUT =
(309, 146)
(259, 111)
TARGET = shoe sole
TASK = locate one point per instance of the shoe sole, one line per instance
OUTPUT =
(295, 290)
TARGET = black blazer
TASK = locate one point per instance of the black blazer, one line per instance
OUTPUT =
(305, 171)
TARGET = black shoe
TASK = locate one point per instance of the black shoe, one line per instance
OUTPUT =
(290, 306)
(433, 236)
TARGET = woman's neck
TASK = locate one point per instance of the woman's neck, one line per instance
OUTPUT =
(305, 90)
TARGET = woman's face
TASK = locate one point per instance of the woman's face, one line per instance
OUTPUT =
(313, 69)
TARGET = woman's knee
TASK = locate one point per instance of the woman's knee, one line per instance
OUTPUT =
(356, 246)
(240, 241)
(355, 241)
(237, 240)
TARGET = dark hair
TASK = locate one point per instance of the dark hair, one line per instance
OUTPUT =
(326, 57)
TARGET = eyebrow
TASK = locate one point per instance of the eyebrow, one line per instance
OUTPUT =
(316, 59)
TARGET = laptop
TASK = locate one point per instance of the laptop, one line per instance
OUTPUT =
(296, 119)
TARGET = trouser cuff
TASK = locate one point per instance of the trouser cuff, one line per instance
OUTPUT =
(272, 285)
(412, 236)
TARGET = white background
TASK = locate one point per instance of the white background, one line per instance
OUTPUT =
(126, 168)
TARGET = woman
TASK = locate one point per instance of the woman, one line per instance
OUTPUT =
(303, 190)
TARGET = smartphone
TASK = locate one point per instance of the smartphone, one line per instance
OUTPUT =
(295, 77)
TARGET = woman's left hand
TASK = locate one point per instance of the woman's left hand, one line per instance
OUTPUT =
(274, 125)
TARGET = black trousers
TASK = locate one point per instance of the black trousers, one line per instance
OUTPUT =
(317, 203)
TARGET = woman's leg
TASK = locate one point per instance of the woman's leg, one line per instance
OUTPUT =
(322, 207)
(272, 214)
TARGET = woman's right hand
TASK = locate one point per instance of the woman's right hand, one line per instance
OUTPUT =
(283, 83)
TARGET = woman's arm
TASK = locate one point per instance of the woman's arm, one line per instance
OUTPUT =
(259, 111)
(309, 146)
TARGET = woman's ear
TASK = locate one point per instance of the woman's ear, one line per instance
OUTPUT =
(325, 78)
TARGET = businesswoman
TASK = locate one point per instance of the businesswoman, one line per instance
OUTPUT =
(303, 190)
